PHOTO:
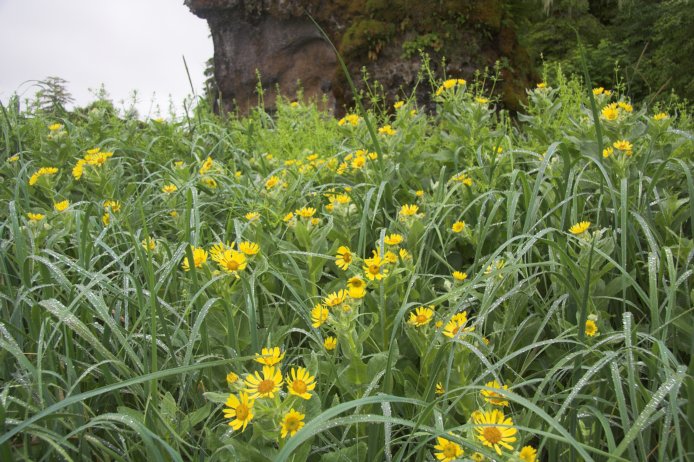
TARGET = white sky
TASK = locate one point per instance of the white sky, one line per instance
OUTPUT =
(125, 44)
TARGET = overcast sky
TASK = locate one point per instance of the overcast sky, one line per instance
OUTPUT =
(125, 44)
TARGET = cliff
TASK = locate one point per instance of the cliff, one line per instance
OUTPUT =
(278, 39)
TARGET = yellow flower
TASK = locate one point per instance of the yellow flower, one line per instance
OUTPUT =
(249, 248)
(270, 356)
(330, 343)
(265, 386)
(112, 205)
(661, 116)
(305, 212)
(209, 182)
(149, 244)
(398, 104)
(43, 171)
(352, 119)
(55, 127)
(421, 316)
(61, 206)
(626, 107)
(493, 397)
(580, 227)
(272, 182)
(390, 257)
(610, 112)
(319, 315)
(607, 152)
(240, 410)
(356, 287)
(458, 226)
(459, 275)
(232, 378)
(528, 454)
(15, 158)
(206, 165)
(477, 457)
(439, 389)
(623, 145)
(419, 193)
(409, 210)
(404, 254)
(591, 328)
(97, 158)
(448, 450)
(315, 221)
(231, 261)
(293, 422)
(106, 218)
(456, 325)
(481, 100)
(448, 84)
(335, 298)
(34, 217)
(387, 130)
(393, 239)
(343, 257)
(288, 217)
(462, 177)
(598, 91)
(78, 169)
(495, 430)
(358, 162)
(199, 258)
(541, 85)
(300, 383)
(373, 268)
(252, 216)
(169, 188)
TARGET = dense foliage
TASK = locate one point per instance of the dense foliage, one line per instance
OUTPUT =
(390, 286)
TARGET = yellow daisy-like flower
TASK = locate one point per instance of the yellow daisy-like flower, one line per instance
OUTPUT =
(209, 182)
(541, 85)
(528, 454)
(78, 169)
(97, 159)
(217, 250)
(580, 227)
(387, 130)
(493, 397)
(404, 254)
(478, 457)
(481, 100)
(374, 267)
(607, 152)
(352, 119)
(390, 257)
(448, 84)
(458, 226)
(113, 206)
(293, 422)
(356, 287)
(623, 145)
(419, 193)
(335, 298)
(598, 91)
(231, 261)
(265, 386)
(626, 107)
(249, 248)
(421, 316)
(305, 212)
(319, 315)
(149, 244)
(439, 390)
(358, 162)
(610, 112)
(206, 165)
(393, 239)
(495, 430)
(330, 343)
(300, 383)
(240, 410)
(14, 158)
(199, 258)
(106, 219)
(232, 378)
(661, 116)
(272, 182)
(343, 258)
(398, 104)
(55, 127)
(409, 210)
(252, 216)
(43, 171)
(34, 217)
(61, 206)
(169, 188)
(448, 450)
(459, 276)
(456, 325)
(288, 217)
(591, 328)
(270, 356)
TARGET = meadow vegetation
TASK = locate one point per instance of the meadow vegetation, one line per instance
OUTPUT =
(395, 285)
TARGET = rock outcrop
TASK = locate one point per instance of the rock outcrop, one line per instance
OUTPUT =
(274, 42)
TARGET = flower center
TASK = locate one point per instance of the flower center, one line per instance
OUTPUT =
(266, 386)
(357, 284)
(347, 257)
(374, 269)
(449, 451)
(492, 435)
(299, 386)
(292, 424)
(241, 412)
(232, 265)
(421, 319)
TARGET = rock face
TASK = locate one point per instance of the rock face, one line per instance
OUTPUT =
(277, 40)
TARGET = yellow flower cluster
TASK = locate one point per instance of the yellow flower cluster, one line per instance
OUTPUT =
(94, 158)
(43, 171)
(448, 84)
